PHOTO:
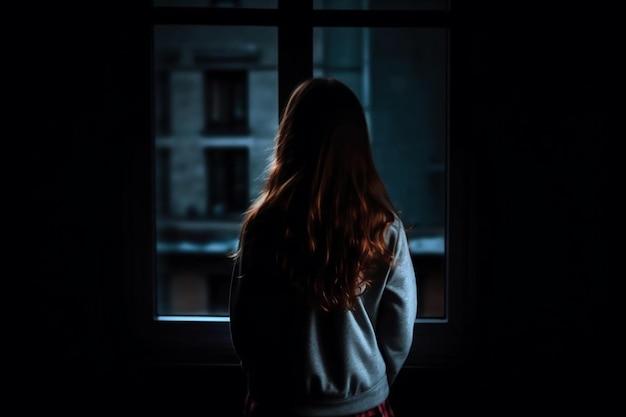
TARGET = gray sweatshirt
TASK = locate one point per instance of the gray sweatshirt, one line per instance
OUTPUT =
(313, 363)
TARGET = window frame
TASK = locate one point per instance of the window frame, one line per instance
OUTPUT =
(437, 342)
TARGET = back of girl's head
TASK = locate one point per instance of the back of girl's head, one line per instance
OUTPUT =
(333, 207)
(316, 112)
(323, 138)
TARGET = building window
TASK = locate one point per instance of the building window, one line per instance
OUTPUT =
(162, 103)
(162, 173)
(192, 284)
(226, 102)
(224, 3)
(227, 172)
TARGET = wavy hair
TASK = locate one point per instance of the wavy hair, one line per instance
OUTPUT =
(332, 207)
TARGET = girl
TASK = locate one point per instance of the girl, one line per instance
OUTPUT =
(323, 294)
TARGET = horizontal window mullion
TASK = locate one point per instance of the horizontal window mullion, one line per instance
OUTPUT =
(381, 18)
(276, 17)
(214, 16)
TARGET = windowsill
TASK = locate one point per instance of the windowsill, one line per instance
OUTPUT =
(226, 319)
(418, 246)
(224, 247)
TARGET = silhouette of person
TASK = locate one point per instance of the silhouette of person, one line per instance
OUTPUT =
(323, 294)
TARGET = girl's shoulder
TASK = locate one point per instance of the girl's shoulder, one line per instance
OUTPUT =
(396, 226)
(395, 232)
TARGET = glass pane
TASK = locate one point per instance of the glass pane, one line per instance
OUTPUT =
(244, 4)
(215, 117)
(403, 91)
(440, 5)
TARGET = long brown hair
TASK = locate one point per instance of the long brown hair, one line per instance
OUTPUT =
(333, 207)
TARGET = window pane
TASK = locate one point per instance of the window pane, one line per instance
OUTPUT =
(440, 5)
(244, 4)
(403, 91)
(215, 117)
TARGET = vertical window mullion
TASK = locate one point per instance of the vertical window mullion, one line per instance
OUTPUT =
(295, 46)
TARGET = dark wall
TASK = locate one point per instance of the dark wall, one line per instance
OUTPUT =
(536, 109)
(541, 108)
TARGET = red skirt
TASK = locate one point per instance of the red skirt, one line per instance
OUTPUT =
(382, 410)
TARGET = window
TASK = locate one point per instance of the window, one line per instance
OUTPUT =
(403, 92)
(229, 73)
(223, 118)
